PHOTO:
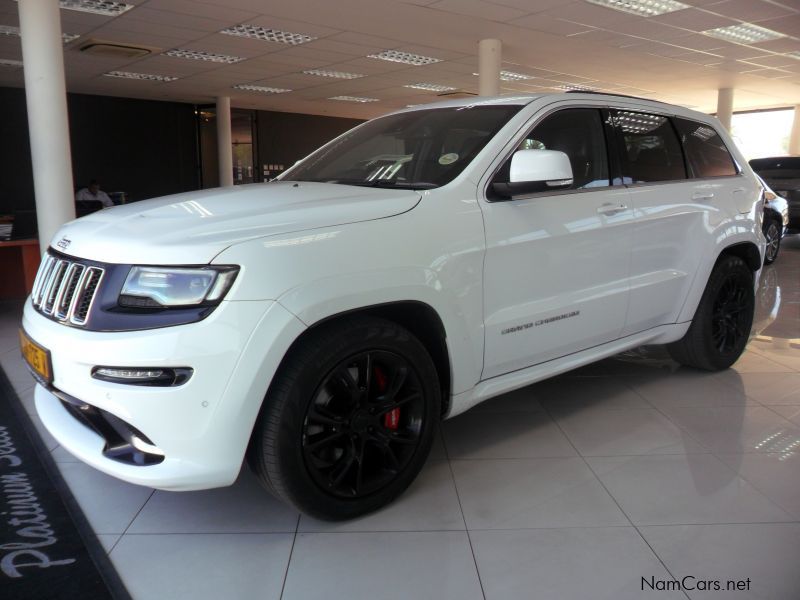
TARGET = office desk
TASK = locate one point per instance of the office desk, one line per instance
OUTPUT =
(19, 261)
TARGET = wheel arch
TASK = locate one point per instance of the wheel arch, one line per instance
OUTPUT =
(419, 318)
(747, 251)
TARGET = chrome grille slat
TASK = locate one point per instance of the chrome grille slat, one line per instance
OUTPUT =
(64, 289)
(55, 286)
(85, 299)
(41, 277)
(71, 280)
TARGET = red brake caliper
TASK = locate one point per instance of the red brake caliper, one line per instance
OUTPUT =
(391, 420)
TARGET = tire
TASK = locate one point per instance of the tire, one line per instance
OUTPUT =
(773, 234)
(348, 420)
(721, 325)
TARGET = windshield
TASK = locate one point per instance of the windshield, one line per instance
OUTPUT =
(421, 149)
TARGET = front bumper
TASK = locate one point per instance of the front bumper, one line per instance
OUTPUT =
(203, 426)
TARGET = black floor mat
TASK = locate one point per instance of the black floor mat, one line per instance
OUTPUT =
(47, 549)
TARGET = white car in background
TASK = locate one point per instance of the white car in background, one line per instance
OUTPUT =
(322, 324)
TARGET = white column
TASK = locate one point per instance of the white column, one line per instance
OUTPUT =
(490, 53)
(224, 146)
(46, 97)
(725, 107)
(794, 138)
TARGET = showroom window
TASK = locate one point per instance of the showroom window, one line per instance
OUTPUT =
(705, 150)
(578, 133)
(652, 149)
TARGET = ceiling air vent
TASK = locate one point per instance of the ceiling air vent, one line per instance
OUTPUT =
(115, 49)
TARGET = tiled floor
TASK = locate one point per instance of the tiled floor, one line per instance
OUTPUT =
(577, 487)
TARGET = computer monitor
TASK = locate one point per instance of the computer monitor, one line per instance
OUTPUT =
(25, 225)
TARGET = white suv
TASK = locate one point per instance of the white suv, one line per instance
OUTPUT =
(322, 324)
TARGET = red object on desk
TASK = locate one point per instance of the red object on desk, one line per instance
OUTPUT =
(19, 261)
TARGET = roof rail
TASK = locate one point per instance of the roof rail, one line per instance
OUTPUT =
(613, 94)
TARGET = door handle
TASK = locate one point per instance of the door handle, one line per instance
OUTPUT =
(702, 195)
(608, 208)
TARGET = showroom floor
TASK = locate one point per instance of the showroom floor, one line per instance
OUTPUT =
(577, 487)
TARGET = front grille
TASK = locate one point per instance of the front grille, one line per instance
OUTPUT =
(64, 289)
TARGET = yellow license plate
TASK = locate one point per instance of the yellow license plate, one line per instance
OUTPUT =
(38, 358)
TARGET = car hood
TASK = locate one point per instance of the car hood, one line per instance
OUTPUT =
(194, 227)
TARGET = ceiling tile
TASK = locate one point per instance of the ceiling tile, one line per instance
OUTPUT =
(773, 61)
(480, 9)
(786, 25)
(782, 45)
(648, 29)
(219, 11)
(694, 19)
(530, 6)
(589, 14)
(553, 25)
(183, 20)
(751, 11)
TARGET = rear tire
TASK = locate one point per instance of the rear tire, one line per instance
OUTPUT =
(721, 325)
(349, 419)
(772, 233)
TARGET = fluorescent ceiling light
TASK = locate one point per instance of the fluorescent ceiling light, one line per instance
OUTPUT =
(139, 76)
(7, 62)
(334, 74)
(405, 57)
(643, 8)
(744, 34)
(511, 76)
(14, 31)
(431, 87)
(353, 99)
(96, 7)
(268, 35)
(200, 55)
(260, 88)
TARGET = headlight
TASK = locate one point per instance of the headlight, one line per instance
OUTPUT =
(169, 287)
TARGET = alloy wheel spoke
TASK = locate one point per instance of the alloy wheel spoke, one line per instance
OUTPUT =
(328, 439)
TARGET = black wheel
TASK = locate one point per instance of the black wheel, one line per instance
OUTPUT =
(722, 322)
(348, 420)
(772, 233)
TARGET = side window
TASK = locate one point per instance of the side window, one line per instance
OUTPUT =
(652, 149)
(705, 150)
(578, 133)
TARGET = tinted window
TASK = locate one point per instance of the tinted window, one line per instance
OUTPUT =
(705, 150)
(652, 149)
(578, 133)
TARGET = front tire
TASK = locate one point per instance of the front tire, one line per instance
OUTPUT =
(349, 419)
(721, 325)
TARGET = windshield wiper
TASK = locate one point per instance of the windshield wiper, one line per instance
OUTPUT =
(386, 183)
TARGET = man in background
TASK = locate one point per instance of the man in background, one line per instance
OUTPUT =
(93, 192)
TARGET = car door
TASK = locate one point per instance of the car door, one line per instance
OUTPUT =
(557, 263)
(673, 213)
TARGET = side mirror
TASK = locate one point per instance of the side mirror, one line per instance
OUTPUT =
(536, 171)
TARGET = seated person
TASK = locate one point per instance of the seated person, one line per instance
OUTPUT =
(93, 192)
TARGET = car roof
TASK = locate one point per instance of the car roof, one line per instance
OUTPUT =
(524, 99)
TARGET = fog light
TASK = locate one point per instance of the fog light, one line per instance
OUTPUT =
(153, 376)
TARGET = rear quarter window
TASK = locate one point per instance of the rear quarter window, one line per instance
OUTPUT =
(706, 153)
